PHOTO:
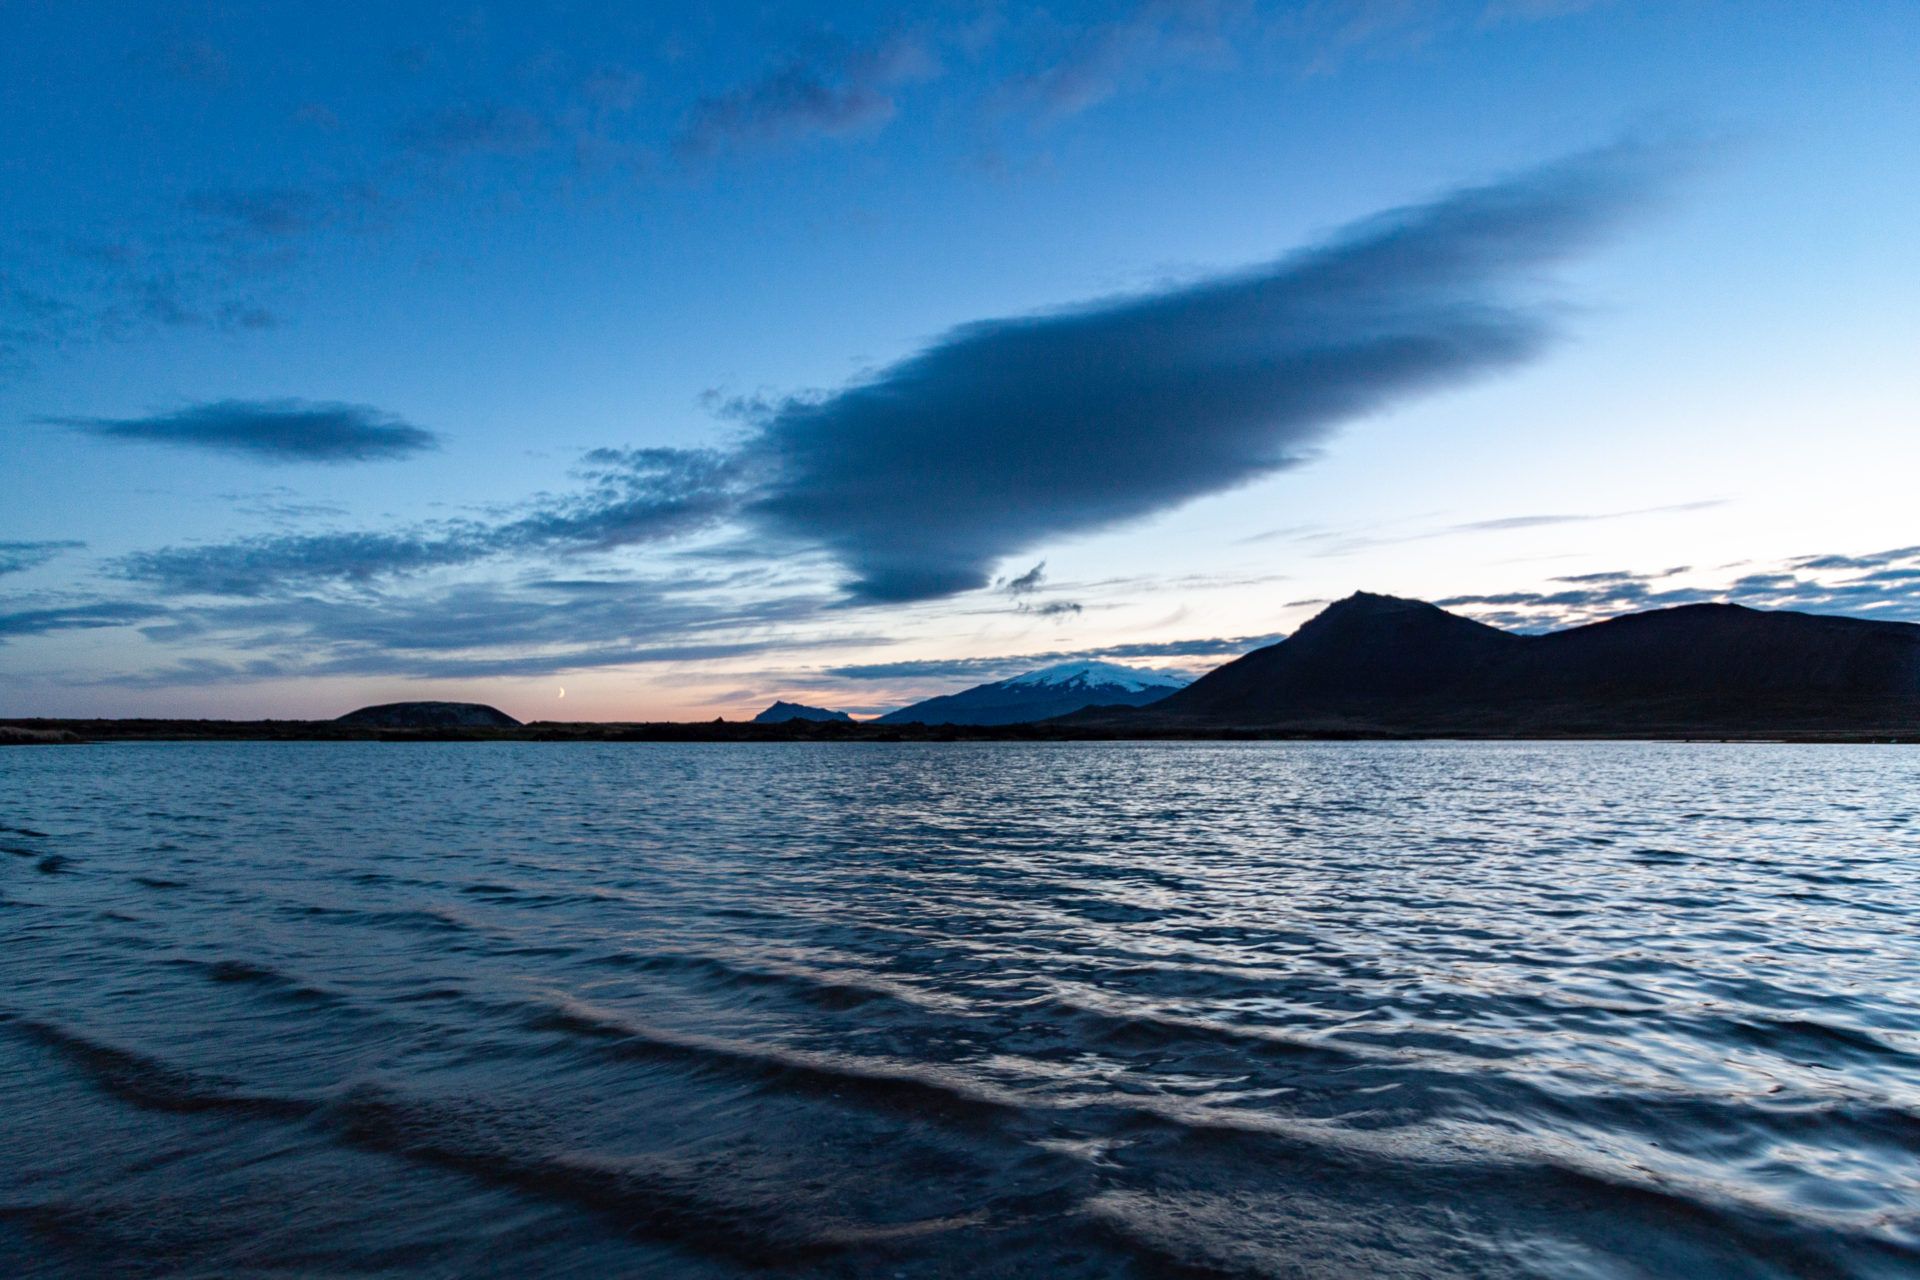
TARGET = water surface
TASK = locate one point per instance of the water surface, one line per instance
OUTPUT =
(1438, 1010)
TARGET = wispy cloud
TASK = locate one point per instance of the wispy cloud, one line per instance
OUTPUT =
(1000, 668)
(79, 617)
(270, 430)
(1332, 30)
(189, 61)
(1880, 585)
(802, 98)
(29, 319)
(259, 212)
(628, 497)
(487, 128)
(1099, 61)
(473, 631)
(1337, 542)
(1006, 433)
(1505, 524)
(1026, 583)
(17, 557)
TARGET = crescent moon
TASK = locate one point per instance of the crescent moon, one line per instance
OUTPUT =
(563, 691)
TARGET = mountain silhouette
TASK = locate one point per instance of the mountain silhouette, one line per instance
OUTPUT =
(429, 715)
(1373, 663)
(1042, 695)
(781, 712)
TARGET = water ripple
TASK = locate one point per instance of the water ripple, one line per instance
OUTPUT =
(1079, 1010)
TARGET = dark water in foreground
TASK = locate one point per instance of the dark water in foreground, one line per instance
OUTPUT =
(960, 1010)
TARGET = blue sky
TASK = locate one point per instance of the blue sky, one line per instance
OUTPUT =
(683, 361)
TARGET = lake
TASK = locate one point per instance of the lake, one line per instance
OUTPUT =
(990, 1009)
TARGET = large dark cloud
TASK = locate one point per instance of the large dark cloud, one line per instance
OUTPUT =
(1005, 434)
(369, 162)
(273, 430)
(629, 497)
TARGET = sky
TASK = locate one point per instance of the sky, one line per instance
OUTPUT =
(617, 362)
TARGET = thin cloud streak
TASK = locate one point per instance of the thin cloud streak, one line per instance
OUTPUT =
(82, 617)
(1105, 59)
(999, 668)
(480, 631)
(1334, 542)
(803, 98)
(632, 496)
(1881, 585)
(281, 431)
(18, 557)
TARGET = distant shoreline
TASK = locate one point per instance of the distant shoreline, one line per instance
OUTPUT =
(48, 731)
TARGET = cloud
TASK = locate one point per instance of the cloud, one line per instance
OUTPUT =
(28, 319)
(1498, 11)
(259, 212)
(473, 631)
(1005, 434)
(132, 286)
(1878, 561)
(281, 505)
(288, 562)
(1101, 60)
(17, 557)
(1335, 542)
(1335, 28)
(478, 129)
(1505, 524)
(273, 430)
(805, 98)
(986, 669)
(1028, 582)
(1021, 588)
(104, 613)
(1881, 585)
(630, 496)
(199, 62)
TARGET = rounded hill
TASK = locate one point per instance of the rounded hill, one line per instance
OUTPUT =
(429, 715)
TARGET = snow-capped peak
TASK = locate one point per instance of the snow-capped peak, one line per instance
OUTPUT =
(1102, 675)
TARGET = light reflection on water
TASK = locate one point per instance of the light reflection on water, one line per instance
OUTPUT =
(960, 1009)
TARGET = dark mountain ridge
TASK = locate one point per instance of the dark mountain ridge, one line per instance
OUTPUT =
(1380, 663)
(1045, 694)
(781, 712)
(429, 715)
